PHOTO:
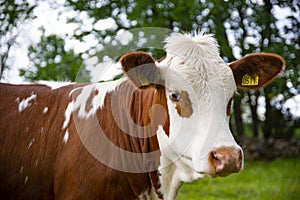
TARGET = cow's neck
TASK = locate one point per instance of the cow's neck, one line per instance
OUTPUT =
(170, 183)
(130, 118)
(148, 109)
(172, 175)
(173, 170)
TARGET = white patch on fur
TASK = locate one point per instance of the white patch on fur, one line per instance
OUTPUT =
(45, 110)
(149, 195)
(31, 143)
(41, 130)
(81, 100)
(144, 196)
(25, 103)
(66, 137)
(26, 179)
(54, 84)
(68, 114)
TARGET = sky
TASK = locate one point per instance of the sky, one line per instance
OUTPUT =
(55, 22)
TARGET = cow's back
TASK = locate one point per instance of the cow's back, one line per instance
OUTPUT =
(31, 137)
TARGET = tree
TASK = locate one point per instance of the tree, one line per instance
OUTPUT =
(12, 14)
(274, 40)
(51, 61)
(246, 21)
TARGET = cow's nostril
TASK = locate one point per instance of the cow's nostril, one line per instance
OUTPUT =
(217, 161)
(215, 158)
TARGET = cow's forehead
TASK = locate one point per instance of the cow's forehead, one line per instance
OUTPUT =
(195, 62)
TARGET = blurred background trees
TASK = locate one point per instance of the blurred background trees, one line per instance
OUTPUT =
(51, 61)
(241, 27)
(12, 15)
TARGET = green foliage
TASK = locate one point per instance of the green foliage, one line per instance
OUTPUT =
(51, 61)
(259, 180)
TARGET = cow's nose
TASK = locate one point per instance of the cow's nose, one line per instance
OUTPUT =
(226, 160)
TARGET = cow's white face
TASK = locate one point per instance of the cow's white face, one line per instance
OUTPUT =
(199, 88)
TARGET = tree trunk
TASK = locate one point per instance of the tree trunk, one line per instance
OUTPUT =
(253, 109)
(268, 121)
(266, 40)
(238, 118)
(226, 50)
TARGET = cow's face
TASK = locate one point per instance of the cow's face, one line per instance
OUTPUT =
(199, 88)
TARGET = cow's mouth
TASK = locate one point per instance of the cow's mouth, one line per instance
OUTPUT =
(202, 173)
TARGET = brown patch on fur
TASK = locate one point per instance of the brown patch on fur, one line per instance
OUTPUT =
(75, 93)
(33, 154)
(266, 65)
(184, 106)
(88, 105)
(135, 105)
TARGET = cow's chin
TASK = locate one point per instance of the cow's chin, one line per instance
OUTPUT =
(187, 164)
(201, 175)
(224, 174)
(218, 175)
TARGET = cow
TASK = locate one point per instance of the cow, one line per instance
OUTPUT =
(164, 123)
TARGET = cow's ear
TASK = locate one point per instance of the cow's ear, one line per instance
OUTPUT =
(141, 69)
(256, 70)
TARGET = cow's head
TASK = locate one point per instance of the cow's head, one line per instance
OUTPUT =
(199, 88)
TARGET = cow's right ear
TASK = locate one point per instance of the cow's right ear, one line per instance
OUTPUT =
(256, 70)
(141, 69)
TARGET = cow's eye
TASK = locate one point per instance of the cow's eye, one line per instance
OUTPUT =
(175, 96)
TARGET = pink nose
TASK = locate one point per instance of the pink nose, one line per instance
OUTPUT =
(225, 160)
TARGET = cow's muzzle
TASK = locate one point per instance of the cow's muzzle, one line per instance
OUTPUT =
(225, 160)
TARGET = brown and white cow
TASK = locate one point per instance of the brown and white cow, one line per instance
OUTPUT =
(139, 137)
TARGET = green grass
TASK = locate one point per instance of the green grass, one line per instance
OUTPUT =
(277, 180)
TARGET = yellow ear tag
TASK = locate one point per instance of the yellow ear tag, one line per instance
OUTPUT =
(143, 81)
(250, 80)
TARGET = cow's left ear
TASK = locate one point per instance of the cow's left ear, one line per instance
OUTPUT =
(256, 70)
(140, 68)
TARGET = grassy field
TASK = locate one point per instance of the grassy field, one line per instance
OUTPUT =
(276, 180)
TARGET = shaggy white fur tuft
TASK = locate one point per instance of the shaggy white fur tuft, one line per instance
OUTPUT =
(192, 45)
